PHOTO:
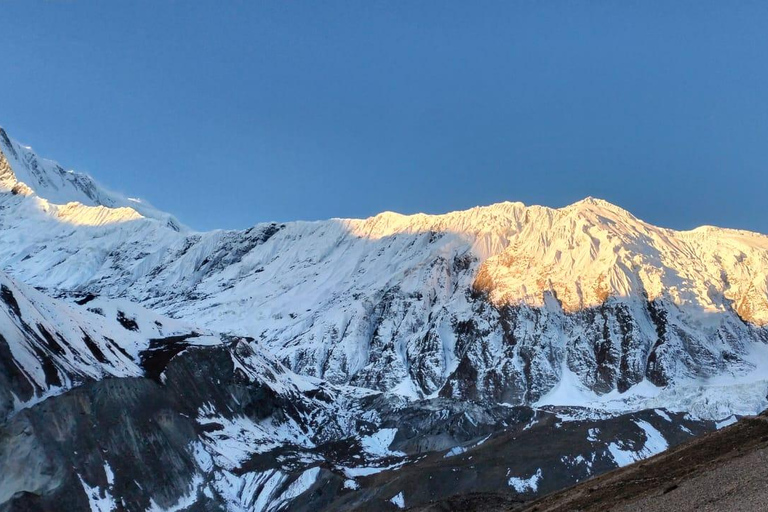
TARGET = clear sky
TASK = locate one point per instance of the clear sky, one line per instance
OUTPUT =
(229, 114)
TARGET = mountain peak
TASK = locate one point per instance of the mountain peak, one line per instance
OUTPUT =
(595, 203)
(23, 172)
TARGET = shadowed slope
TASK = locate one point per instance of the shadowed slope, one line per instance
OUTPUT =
(723, 470)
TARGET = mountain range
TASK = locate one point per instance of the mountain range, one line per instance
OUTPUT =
(343, 364)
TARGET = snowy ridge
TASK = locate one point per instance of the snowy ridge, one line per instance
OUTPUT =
(22, 172)
(49, 346)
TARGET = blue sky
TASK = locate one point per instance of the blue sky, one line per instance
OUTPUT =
(228, 115)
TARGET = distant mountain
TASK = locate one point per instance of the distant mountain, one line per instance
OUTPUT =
(385, 362)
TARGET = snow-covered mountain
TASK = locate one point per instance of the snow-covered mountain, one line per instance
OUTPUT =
(22, 172)
(92, 394)
(107, 406)
(499, 303)
(355, 363)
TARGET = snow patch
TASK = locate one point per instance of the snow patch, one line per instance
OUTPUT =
(377, 444)
(523, 485)
(398, 500)
(654, 443)
(456, 450)
(100, 500)
(727, 421)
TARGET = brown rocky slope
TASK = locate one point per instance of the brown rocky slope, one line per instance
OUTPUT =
(722, 470)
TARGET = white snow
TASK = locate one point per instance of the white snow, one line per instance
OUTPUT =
(110, 475)
(351, 484)
(623, 457)
(298, 486)
(377, 444)
(456, 450)
(369, 470)
(406, 388)
(654, 443)
(73, 190)
(727, 421)
(579, 460)
(240, 437)
(523, 485)
(569, 391)
(398, 500)
(266, 491)
(100, 500)
(364, 471)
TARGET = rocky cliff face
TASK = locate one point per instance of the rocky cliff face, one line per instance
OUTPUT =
(109, 418)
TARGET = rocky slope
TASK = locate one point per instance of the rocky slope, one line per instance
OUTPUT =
(108, 406)
(725, 470)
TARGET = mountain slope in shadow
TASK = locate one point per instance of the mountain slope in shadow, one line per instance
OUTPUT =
(722, 470)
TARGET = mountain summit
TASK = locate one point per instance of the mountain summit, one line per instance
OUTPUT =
(23, 172)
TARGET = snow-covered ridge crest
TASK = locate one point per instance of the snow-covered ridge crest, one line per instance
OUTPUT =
(592, 250)
(70, 196)
(50, 346)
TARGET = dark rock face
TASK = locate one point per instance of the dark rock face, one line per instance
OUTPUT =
(13, 380)
(7, 296)
(167, 439)
(545, 454)
(127, 427)
(154, 360)
(127, 322)
(133, 438)
(609, 347)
